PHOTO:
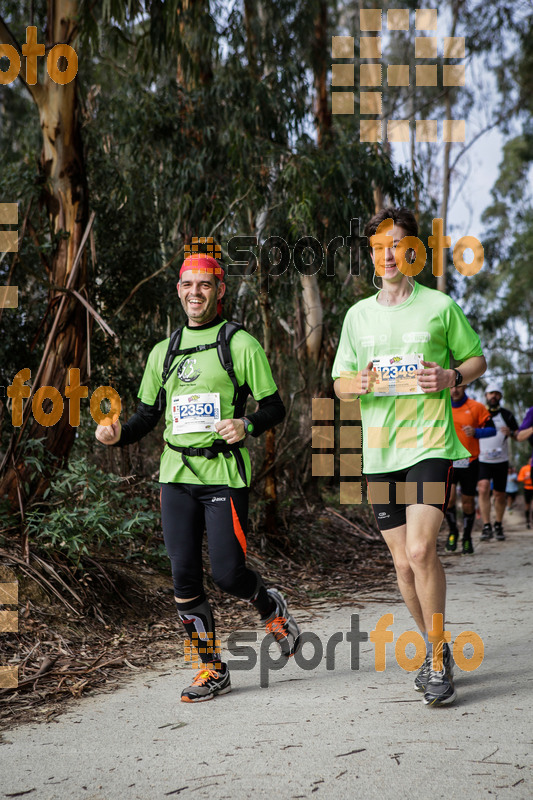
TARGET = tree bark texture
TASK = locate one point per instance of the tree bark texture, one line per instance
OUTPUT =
(64, 196)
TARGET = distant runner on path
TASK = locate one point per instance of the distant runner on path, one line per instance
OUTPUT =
(200, 381)
(394, 352)
(524, 476)
(511, 487)
(494, 463)
(472, 423)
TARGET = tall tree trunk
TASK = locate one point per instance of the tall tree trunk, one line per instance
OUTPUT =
(456, 6)
(313, 316)
(194, 65)
(320, 64)
(254, 27)
(446, 177)
(65, 198)
(312, 300)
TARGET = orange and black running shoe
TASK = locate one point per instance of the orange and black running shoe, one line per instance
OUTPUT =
(282, 625)
(206, 685)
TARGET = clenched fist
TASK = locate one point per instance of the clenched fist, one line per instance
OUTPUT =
(109, 434)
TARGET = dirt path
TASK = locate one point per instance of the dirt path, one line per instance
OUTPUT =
(315, 731)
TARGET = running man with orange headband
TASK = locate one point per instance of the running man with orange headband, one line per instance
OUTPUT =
(205, 466)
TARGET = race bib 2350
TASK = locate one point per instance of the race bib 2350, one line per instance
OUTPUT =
(195, 413)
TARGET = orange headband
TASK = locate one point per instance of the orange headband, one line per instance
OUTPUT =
(199, 262)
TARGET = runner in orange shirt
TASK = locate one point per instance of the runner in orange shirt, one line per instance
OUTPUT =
(472, 422)
(524, 476)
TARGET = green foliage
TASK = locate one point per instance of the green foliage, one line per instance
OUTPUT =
(85, 509)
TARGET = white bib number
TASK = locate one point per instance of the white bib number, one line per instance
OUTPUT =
(195, 413)
(397, 374)
(495, 453)
(461, 463)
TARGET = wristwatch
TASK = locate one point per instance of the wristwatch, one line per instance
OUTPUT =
(248, 426)
(458, 378)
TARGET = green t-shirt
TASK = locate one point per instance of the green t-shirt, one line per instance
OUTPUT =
(403, 430)
(201, 379)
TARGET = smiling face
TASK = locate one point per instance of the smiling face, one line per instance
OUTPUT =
(199, 293)
(383, 256)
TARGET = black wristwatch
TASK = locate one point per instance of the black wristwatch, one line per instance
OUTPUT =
(458, 378)
(248, 426)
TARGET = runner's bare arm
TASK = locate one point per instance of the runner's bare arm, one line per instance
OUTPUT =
(433, 378)
(524, 434)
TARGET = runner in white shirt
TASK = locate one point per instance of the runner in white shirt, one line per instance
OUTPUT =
(494, 463)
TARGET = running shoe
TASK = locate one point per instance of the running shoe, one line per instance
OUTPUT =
(206, 685)
(468, 547)
(440, 690)
(486, 533)
(451, 544)
(422, 675)
(500, 535)
(282, 625)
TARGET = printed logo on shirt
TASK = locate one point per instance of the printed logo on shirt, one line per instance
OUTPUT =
(383, 514)
(367, 341)
(416, 336)
(187, 371)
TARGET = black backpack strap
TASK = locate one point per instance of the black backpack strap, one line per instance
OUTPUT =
(172, 351)
(240, 393)
(224, 353)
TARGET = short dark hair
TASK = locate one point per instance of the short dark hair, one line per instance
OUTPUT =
(403, 217)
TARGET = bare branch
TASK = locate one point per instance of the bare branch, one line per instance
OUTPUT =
(145, 280)
(504, 115)
(102, 323)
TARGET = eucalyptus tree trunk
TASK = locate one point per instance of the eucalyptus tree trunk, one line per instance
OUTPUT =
(456, 6)
(64, 196)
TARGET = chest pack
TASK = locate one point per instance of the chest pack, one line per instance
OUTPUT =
(240, 393)
(224, 336)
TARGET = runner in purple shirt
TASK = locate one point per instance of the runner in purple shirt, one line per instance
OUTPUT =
(525, 431)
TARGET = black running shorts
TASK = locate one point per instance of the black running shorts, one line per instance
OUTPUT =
(426, 483)
(467, 478)
(495, 472)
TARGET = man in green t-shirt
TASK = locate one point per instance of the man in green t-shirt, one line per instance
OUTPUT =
(394, 352)
(205, 466)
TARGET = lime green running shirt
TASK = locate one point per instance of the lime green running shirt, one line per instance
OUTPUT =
(399, 431)
(199, 376)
